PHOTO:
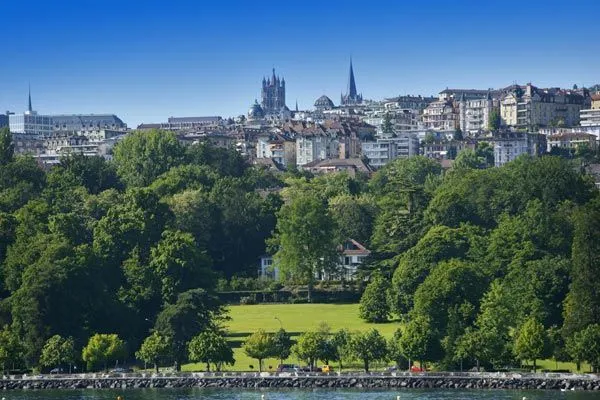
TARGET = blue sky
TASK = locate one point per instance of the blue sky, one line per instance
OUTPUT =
(148, 60)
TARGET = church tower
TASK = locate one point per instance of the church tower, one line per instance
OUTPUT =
(273, 94)
(351, 96)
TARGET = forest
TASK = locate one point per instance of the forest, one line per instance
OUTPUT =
(482, 265)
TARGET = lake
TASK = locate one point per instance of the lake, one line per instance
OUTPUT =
(234, 394)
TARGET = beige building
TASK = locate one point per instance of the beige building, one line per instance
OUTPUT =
(528, 106)
(441, 115)
(571, 140)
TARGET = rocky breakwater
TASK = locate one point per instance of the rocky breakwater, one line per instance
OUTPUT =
(359, 381)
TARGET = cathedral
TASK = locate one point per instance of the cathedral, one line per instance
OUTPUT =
(273, 94)
(352, 96)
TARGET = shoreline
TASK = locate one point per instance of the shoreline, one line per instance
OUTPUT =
(291, 381)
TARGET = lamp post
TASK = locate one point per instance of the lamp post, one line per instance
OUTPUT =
(280, 324)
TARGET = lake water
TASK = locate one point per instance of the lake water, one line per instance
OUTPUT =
(234, 394)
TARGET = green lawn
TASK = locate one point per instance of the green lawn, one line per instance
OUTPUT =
(299, 318)
(296, 319)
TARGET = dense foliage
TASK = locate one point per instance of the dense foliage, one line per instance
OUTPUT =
(127, 247)
(481, 264)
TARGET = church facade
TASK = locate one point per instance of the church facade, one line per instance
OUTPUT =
(273, 94)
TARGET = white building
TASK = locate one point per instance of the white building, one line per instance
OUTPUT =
(474, 114)
(30, 123)
(352, 255)
(510, 145)
(311, 147)
(382, 151)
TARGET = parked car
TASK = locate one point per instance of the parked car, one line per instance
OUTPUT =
(327, 368)
(288, 368)
(57, 371)
(414, 368)
(120, 370)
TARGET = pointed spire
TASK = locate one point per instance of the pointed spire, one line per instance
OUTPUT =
(351, 83)
(296, 105)
(29, 108)
(274, 77)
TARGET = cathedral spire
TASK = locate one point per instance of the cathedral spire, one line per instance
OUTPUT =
(296, 105)
(352, 83)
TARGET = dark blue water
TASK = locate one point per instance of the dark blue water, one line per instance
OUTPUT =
(233, 394)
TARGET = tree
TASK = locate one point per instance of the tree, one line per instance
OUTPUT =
(576, 348)
(530, 340)
(11, 349)
(494, 120)
(94, 173)
(58, 351)
(369, 347)
(142, 156)
(309, 347)
(590, 341)
(282, 345)
(305, 238)
(395, 353)
(259, 345)
(341, 342)
(457, 135)
(419, 341)
(7, 147)
(155, 348)
(179, 265)
(102, 349)
(374, 305)
(386, 126)
(193, 312)
(211, 347)
(582, 306)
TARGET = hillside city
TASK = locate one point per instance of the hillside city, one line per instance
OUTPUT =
(449, 233)
(356, 135)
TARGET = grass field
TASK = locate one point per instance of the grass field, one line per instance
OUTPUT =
(295, 319)
(299, 318)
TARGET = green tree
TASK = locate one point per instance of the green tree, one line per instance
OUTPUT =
(354, 217)
(259, 345)
(575, 346)
(341, 342)
(179, 265)
(386, 126)
(394, 349)
(155, 348)
(193, 312)
(7, 147)
(211, 347)
(458, 134)
(282, 345)
(57, 352)
(582, 306)
(419, 341)
(309, 347)
(590, 341)
(11, 349)
(305, 241)
(369, 347)
(94, 173)
(142, 156)
(102, 349)
(494, 120)
(374, 305)
(530, 341)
